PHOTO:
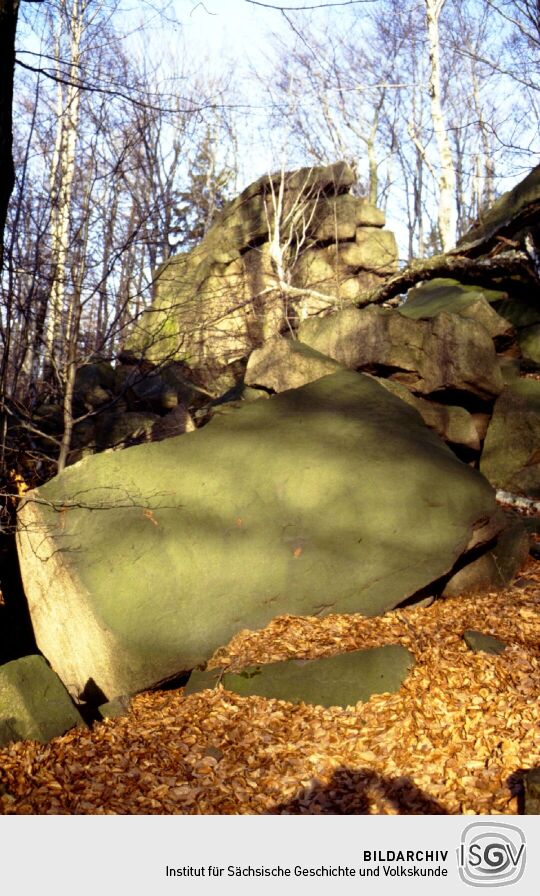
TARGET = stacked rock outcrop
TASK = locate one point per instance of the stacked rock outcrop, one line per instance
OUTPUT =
(291, 245)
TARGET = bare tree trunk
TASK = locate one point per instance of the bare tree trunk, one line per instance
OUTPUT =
(488, 192)
(455, 264)
(373, 167)
(8, 26)
(65, 444)
(63, 171)
(447, 174)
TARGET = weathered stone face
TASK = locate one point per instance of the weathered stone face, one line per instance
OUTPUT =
(337, 219)
(378, 250)
(433, 297)
(428, 356)
(34, 704)
(329, 268)
(216, 303)
(511, 455)
(333, 497)
(287, 364)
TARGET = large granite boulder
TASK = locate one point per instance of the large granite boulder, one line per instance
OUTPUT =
(288, 363)
(446, 352)
(340, 680)
(34, 704)
(511, 455)
(333, 497)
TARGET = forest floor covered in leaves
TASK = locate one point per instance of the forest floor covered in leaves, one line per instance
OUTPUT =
(453, 740)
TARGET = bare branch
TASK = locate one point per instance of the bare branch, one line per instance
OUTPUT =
(482, 270)
(280, 8)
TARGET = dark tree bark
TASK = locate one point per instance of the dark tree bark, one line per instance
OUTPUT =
(8, 25)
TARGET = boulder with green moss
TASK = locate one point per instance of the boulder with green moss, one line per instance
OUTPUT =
(511, 454)
(441, 294)
(330, 498)
(34, 704)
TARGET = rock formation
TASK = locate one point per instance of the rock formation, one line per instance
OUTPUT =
(365, 479)
(291, 245)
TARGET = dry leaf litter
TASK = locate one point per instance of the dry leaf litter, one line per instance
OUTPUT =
(453, 740)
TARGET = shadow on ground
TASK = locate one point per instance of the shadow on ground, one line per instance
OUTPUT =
(360, 792)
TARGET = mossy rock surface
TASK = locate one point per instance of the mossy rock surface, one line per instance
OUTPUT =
(34, 704)
(330, 498)
(511, 455)
(480, 642)
(529, 343)
(505, 216)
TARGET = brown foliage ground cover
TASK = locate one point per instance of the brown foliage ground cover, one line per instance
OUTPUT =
(452, 740)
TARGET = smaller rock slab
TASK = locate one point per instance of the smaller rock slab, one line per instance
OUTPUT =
(287, 364)
(496, 568)
(34, 704)
(478, 641)
(443, 294)
(340, 680)
(116, 708)
(452, 423)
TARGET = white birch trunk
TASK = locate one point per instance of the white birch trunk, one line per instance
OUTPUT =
(487, 194)
(62, 174)
(447, 174)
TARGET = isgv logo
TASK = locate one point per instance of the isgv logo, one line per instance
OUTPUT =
(491, 854)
